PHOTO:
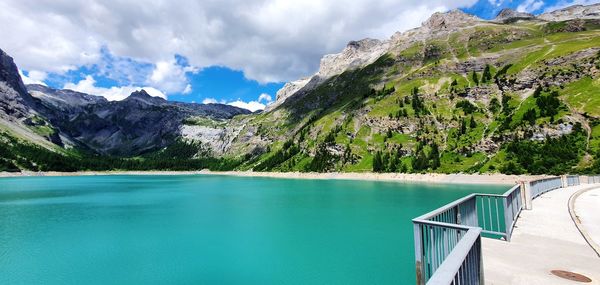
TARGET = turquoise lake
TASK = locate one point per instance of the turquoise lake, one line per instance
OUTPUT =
(212, 229)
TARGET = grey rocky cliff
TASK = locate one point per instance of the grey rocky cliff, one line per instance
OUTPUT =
(135, 125)
(15, 102)
(572, 13)
(510, 15)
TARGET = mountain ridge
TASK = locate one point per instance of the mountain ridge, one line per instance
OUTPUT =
(458, 94)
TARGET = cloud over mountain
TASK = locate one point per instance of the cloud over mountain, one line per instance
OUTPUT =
(270, 40)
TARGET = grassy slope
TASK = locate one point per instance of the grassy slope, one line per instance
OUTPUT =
(351, 98)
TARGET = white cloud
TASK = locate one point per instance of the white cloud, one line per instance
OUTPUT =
(530, 6)
(88, 85)
(270, 40)
(252, 105)
(210, 101)
(170, 77)
(34, 77)
(265, 97)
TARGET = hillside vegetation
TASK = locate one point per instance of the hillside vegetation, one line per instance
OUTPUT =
(456, 95)
(512, 98)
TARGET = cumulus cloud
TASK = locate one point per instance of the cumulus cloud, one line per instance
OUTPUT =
(171, 77)
(530, 6)
(270, 40)
(212, 101)
(88, 85)
(252, 105)
(260, 104)
(34, 77)
(265, 97)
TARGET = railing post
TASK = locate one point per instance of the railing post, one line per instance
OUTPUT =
(526, 195)
(418, 255)
(507, 218)
(481, 275)
(564, 181)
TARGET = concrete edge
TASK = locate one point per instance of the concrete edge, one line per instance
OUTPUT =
(577, 221)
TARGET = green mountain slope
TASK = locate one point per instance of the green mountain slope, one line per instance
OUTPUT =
(514, 98)
(458, 94)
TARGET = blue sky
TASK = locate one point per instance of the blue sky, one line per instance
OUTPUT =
(240, 57)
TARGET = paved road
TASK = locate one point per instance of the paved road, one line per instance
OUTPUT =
(544, 239)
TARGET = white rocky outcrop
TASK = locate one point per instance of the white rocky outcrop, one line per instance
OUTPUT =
(356, 54)
(216, 139)
(573, 12)
(286, 91)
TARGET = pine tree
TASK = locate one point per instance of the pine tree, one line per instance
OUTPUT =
(487, 75)
(377, 162)
(475, 78)
(472, 123)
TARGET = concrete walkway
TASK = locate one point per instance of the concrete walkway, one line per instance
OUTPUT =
(544, 239)
(587, 209)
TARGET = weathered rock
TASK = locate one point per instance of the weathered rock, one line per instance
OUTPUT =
(509, 15)
(572, 12)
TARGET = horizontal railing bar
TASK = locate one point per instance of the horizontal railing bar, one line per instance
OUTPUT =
(446, 207)
(442, 224)
(493, 233)
(511, 190)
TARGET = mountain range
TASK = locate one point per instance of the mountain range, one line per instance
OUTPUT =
(516, 94)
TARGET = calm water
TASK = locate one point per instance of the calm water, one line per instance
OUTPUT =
(211, 230)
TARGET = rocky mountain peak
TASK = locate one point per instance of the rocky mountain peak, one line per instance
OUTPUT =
(144, 97)
(9, 73)
(508, 14)
(451, 19)
(364, 44)
(573, 12)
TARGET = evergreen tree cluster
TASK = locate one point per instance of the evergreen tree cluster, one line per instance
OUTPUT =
(417, 102)
(16, 155)
(551, 156)
(288, 150)
(423, 161)
(466, 106)
(389, 161)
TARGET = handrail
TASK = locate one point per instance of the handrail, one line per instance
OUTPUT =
(447, 239)
(453, 267)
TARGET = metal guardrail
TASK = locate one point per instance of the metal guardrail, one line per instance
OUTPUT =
(448, 239)
(593, 179)
(539, 187)
(572, 180)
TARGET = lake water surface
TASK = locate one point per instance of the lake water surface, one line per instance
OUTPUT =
(212, 229)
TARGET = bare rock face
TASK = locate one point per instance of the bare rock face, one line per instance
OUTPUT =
(129, 127)
(510, 15)
(286, 91)
(573, 12)
(357, 54)
(450, 20)
(15, 102)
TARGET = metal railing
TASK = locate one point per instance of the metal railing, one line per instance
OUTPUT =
(594, 179)
(572, 180)
(448, 239)
(539, 187)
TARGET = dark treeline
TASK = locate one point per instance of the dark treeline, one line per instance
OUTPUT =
(551, 156)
